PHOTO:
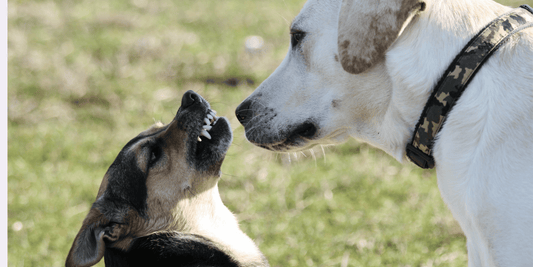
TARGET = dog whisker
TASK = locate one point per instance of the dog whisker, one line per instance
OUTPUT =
(313, 155)
(324, 153)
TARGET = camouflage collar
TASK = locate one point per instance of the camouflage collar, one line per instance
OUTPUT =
(456, 78)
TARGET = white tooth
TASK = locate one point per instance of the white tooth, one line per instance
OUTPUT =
(207, 127)
(206, 134)
(199, 139)
(214, 122)
(209, 116)
(207, 121)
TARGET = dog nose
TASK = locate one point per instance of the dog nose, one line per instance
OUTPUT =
(189, 98)
(244, 112)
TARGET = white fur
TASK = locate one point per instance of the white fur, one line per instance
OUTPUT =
(484, 152)
(204, 214)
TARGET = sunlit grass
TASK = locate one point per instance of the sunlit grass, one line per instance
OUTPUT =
(87, 76)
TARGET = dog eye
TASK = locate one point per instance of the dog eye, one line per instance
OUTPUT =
(296, 37)
(155, 154)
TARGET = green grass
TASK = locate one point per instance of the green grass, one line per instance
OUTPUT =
(87, 76)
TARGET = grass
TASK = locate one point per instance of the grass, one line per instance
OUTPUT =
(84, 77)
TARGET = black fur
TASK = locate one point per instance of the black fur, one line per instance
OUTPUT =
(169, 249)
(127, 183)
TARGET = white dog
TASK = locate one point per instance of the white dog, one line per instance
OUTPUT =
(374, 88)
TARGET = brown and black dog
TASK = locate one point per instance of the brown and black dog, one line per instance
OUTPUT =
(159, 205)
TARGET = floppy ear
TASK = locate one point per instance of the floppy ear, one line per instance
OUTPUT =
(367, 29)
(89, 245)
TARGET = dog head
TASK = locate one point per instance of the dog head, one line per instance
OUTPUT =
(333, 82)
(151, 184)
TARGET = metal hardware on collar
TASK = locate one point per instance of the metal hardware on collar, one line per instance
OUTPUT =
(454, 81)
(419, 158)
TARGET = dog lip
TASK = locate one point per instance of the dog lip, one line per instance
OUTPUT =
(305, 130)
(296, 138)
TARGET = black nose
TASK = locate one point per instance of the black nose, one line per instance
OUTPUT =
(244, 112)
(189, 98)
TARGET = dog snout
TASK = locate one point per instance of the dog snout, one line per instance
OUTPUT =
(189, 98)
(244, 112)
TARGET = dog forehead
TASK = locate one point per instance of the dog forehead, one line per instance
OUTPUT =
(137, 144)
(315, 14)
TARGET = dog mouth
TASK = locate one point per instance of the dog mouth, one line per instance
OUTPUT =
(213, 137)
(293, 138)
(208, 136)
(209, 121)
(265, 128)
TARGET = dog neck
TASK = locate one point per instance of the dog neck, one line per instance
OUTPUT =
(208, 217)
(203, 231)
(420, 55)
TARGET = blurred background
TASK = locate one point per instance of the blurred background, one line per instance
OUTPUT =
(85, 77)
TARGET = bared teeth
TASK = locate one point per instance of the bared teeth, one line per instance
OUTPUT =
(212, 116)
(209, 120)
(206, 134)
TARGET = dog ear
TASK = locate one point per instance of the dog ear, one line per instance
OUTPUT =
(89, 245)
(368, 28)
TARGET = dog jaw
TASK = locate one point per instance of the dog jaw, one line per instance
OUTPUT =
(205, 214)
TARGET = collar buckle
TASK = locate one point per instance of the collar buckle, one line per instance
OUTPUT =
(419, 158)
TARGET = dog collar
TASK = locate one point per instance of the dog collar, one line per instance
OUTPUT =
(454, 81)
